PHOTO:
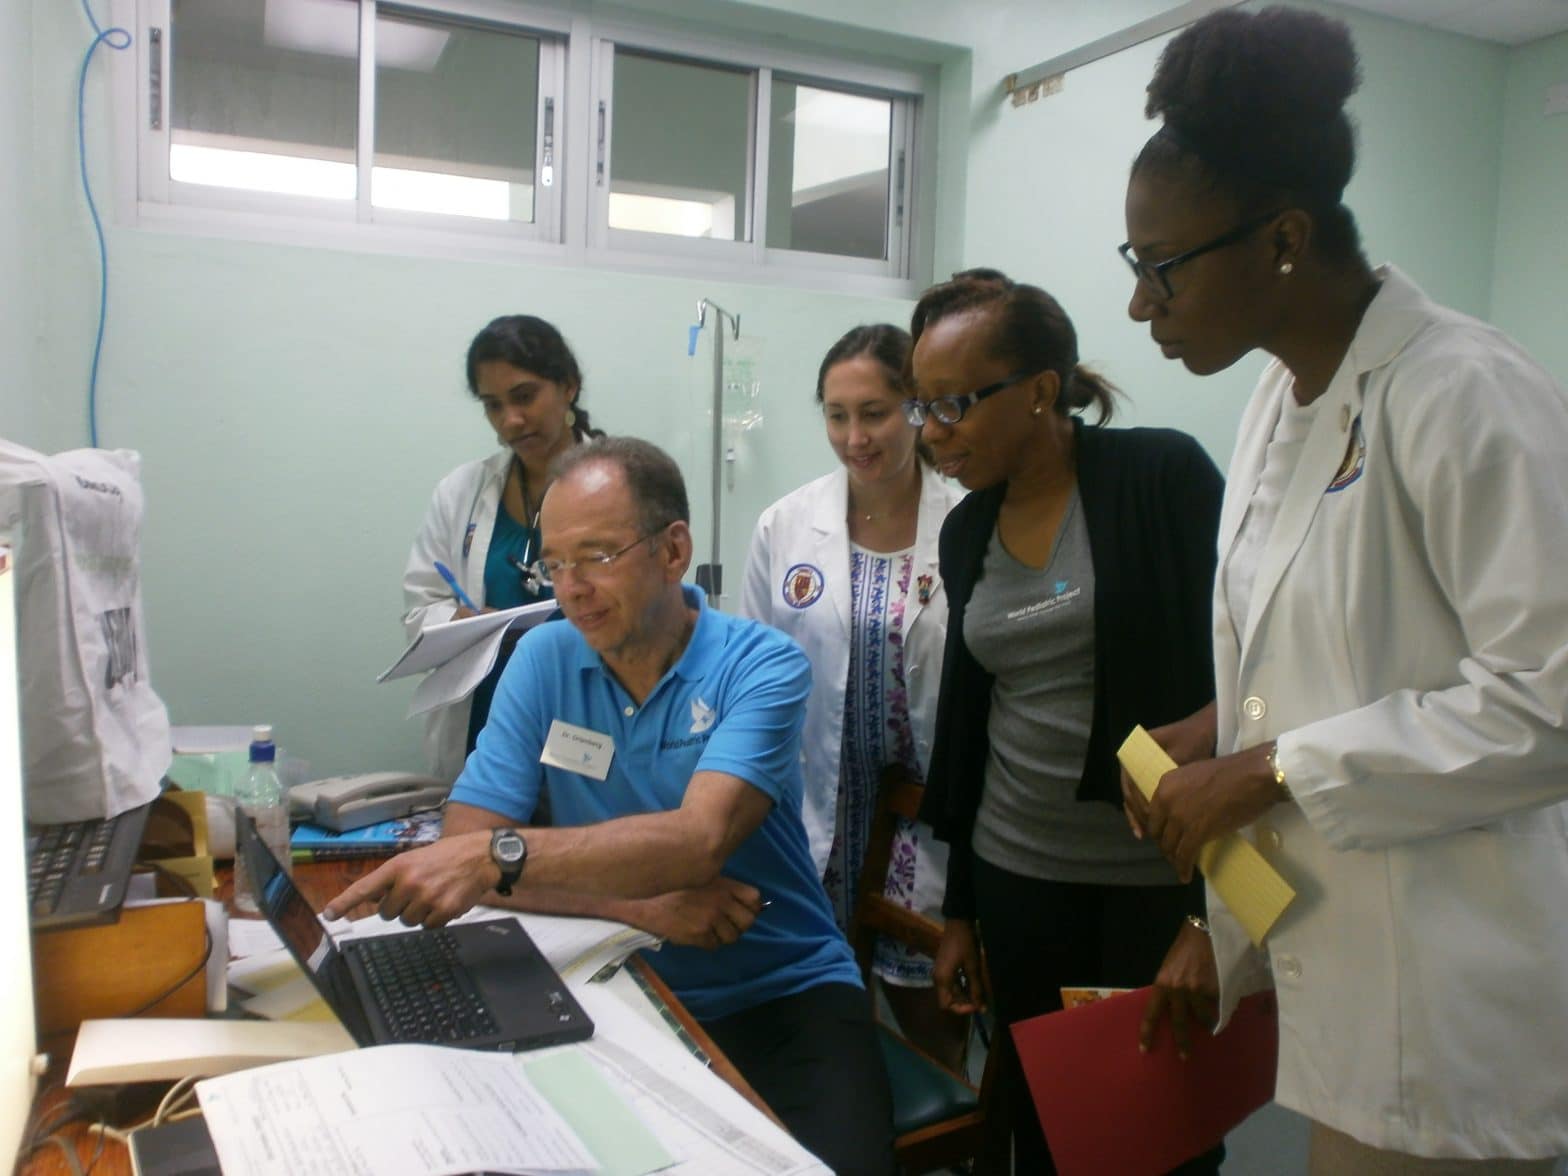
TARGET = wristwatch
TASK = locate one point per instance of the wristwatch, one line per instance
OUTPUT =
(1279, 773)
(509, 852)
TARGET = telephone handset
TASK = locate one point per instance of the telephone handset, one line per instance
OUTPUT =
(342, 803)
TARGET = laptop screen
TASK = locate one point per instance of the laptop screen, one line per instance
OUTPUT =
(298, 926)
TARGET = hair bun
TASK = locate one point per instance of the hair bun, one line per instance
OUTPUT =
(1262, 95)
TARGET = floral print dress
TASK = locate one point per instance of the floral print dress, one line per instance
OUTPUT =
(877, 732)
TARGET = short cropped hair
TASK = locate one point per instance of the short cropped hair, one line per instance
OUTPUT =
(652, 477)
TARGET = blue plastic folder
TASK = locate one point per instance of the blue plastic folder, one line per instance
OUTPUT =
(1106, 1107)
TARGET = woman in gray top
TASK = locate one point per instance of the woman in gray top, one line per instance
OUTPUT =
(1078, 575)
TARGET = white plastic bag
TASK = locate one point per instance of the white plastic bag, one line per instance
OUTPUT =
(95, 737)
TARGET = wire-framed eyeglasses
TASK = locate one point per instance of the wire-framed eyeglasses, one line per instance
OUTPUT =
(596, 563)
(949, 410)
(1155, 275)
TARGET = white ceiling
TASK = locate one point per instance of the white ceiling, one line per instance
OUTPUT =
(1512, 22)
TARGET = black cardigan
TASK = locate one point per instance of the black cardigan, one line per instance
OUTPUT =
(1151, 503)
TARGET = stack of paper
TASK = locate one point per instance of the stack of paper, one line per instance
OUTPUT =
(459, 654)
(629, 1102)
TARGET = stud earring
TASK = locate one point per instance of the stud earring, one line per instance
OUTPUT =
(1037, 410)
(1287, 267)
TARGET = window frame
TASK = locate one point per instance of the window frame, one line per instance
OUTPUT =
(906, 91)
(571, 224)
(156, 192)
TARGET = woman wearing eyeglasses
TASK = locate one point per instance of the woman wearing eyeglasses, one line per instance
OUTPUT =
(1390, 631)
(1078, 576)
(846, 565)
(483, 520)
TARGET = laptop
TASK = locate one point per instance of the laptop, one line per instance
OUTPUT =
(477, 985)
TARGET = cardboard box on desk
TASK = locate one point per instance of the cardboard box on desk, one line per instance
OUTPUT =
(152, 961)
(175, 844)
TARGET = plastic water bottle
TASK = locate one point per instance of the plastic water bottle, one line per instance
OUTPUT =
(260, 795)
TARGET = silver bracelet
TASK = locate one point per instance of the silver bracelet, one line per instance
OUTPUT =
(1196, 921)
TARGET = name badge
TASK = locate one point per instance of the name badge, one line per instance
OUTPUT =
(577, 749)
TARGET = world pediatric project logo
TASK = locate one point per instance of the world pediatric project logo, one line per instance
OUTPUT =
(1064, 595)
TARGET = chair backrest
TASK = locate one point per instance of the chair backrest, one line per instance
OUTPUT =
(941, 1118)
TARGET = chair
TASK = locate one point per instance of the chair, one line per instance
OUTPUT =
(940, 1118)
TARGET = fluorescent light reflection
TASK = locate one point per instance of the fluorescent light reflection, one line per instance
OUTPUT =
(325, 179)
(680, 218)
(260, 171)
(422, 191)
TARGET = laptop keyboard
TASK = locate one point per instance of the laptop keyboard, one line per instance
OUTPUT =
(422, 989)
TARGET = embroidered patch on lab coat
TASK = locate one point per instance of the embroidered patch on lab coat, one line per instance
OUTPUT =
(802, 586)
(1355, 460)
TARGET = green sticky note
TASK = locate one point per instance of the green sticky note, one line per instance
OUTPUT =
(598, 1113)
(214, 773)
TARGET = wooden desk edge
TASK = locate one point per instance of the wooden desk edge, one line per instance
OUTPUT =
(717, 1062)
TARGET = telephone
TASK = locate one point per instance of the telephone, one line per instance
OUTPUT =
(342, 803)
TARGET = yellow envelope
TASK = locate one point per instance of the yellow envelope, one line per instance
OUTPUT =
(1251, 888)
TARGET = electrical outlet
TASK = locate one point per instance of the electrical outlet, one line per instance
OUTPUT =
(1557, 98)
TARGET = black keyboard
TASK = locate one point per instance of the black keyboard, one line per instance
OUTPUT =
(422, 988)
(77, 873)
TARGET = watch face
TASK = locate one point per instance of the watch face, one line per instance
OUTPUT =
(509, 848)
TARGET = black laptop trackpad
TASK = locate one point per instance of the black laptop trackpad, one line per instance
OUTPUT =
(531, 1001)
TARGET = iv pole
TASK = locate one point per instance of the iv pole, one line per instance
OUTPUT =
(710, 576)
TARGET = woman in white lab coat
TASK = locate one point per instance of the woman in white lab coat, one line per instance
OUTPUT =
(1390, 631)
(483, 520)
(847, 566)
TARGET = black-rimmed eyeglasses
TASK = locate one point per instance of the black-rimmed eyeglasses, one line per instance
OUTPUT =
(1156, 275)
(595, 563)
(949, 410)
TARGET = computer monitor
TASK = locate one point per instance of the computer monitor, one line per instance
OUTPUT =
(18, 1045)
(95, 736)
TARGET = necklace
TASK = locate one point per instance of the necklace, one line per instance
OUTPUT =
(901, 508)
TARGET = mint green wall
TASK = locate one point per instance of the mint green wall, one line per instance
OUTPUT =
(296, 405)
(1530, 275)
(18, 393)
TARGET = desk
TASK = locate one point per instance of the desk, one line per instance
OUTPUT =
(319, 881)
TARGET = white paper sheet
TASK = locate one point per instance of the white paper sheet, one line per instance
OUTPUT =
(418, 1110)
(438, 644)
(695, 1113)
(458, 678)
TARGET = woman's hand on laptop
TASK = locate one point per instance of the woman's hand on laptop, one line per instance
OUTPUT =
(427, 887)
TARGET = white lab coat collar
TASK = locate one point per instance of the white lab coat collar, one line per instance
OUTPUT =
(1396, 313)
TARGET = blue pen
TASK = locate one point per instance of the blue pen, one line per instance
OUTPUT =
(457, 589)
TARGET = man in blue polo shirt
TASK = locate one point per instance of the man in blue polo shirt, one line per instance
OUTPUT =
(668, 737)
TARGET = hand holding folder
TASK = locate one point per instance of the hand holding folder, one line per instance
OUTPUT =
(1106, 1107)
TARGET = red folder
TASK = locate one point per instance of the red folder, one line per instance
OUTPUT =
(1106, 1107)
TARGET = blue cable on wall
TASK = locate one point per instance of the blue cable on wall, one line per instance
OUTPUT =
(115, 38)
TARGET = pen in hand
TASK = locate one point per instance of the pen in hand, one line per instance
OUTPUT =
(457, 589)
